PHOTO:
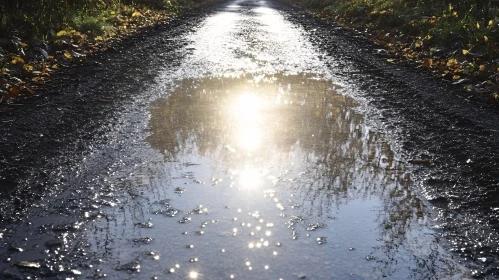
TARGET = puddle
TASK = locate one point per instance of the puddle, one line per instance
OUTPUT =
(268, 177)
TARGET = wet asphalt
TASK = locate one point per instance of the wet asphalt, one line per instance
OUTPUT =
(248, 141)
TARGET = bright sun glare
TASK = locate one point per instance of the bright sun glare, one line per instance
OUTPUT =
(249, 137)
(248, 107)
(250, 178)
(247, 110)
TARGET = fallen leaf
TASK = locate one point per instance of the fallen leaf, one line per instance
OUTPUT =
(482, 67)
(67, 55)
(451, 62)
(428, 63)
(28, 68)
(465, 52)
(39, 80)
(17, 59)
(62, 33)
(13, 92)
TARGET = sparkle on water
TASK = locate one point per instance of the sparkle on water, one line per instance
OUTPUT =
(193, 275)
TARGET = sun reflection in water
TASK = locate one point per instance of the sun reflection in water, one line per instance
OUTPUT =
(247, 111)
(193, 275)
(250, 178)
(249, 137)
(248, 106)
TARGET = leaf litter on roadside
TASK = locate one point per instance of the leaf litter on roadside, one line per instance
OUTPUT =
(26, 67)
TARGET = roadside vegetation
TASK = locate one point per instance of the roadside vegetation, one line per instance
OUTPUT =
(456, 40)
(39, 38)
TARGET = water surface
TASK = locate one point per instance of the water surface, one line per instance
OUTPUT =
(268, 177)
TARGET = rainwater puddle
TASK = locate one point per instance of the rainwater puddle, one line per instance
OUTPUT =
(268, 177)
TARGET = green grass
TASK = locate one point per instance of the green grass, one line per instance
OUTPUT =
(461, 24)
(94, 24)
(38, 19)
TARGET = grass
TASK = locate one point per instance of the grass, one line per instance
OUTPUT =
(446, 25)
(38, 41)
(94, 24)
(456, 40)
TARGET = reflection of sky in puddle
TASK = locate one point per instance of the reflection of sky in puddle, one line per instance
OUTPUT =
(278, 178)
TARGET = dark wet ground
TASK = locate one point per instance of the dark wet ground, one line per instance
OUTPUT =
(248, 141)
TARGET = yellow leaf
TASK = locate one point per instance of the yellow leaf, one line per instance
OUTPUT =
(17, 59)
(418, 44)
(482, 67)
(62, 33)
(486, 39)
(136, 14)
(428, 63)
(451, 62)
(491, 22)
(28, 67)
(465, 52)
(478, 25)
(67, 55)
(456, 77)
(55, 66)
